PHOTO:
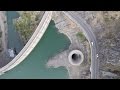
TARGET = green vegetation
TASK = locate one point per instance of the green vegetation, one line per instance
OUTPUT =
(81, 36)
(26, 24)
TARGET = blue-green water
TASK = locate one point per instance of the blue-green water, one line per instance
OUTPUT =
(13, 37)
(34, 65)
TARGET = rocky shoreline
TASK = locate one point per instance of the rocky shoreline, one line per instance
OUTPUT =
(70, 29)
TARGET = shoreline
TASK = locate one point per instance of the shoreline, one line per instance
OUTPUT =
(69, 29)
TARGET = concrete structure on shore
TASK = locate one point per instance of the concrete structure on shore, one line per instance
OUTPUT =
(75, 57)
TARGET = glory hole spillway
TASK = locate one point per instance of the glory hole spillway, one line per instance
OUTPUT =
(34, 66)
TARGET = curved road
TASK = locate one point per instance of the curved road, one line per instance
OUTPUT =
(87, 30)
(37, 35)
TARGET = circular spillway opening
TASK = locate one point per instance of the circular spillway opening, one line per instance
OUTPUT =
(75, 57)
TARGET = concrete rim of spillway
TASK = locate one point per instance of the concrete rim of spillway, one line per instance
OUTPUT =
(75, 57)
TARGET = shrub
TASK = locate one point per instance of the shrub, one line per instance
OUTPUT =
(81, 36)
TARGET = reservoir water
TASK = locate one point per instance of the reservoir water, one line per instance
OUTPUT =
(34, 66)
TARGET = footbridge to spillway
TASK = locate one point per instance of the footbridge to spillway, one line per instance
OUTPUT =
(36, 37)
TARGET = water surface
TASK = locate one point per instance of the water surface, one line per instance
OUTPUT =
(34, 65)
(14, 40)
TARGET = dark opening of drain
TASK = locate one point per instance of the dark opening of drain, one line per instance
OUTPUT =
(75, 57)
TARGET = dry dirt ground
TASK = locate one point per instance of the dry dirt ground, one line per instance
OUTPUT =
(107, 30)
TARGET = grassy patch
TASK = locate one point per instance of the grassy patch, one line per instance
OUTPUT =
(81, 36)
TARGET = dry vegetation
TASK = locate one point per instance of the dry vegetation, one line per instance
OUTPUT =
(106, 26)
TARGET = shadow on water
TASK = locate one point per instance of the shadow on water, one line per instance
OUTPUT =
(14, 40)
